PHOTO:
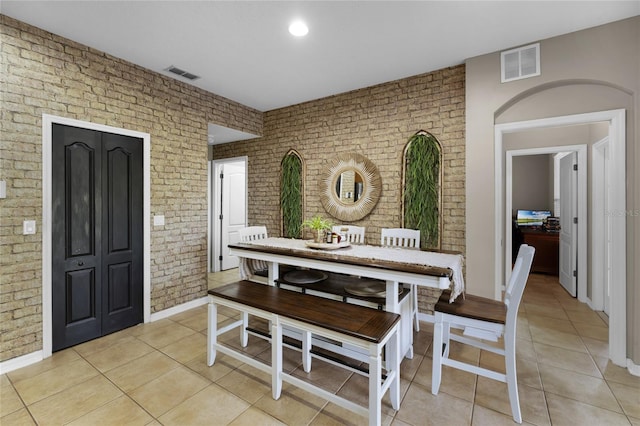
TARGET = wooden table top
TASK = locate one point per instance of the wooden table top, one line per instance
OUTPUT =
(364, 323)
(345, 255)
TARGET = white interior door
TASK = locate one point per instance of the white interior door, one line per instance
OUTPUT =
(568, 222)
(233, 208)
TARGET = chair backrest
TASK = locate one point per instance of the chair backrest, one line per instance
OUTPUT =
(252, 233)
(355, 234)
(517, 282)
(400, 237)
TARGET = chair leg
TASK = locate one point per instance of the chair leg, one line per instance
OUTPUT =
(414, 306)
(436, 369)
(446, 339)
(512, 381)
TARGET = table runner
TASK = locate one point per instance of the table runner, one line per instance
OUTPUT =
(454, 262)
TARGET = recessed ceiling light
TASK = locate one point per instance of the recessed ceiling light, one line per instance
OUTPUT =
(298, 29)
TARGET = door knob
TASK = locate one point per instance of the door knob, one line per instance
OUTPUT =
(80, 263)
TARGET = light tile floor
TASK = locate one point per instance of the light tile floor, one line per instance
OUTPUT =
(157, 374)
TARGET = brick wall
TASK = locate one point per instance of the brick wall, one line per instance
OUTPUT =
(42, 73)
(376, 122)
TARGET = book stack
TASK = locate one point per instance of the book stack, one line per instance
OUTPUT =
(552, 224)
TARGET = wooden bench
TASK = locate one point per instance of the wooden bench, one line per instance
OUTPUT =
(367, 328)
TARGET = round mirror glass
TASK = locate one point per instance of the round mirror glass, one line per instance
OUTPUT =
(351, 188)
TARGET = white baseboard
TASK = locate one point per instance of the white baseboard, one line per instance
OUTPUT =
(633, 368)
(166, 313)
(20, 361)
(32, 358)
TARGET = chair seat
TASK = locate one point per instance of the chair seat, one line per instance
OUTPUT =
(474, 307)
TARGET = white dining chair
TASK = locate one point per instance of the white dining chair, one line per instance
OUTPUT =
(483, 319)
(254, 270)
(355, 234)
(403, 237)
(400, 237)
(252, 233)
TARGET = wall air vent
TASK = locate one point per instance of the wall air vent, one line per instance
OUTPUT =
(519, 63)
(182, 73)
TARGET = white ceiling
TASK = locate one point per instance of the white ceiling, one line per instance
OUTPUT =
(243, 51)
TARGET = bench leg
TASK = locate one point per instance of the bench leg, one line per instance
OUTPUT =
(306, 351)
(212, 333)
(276, 358)
(375, 387)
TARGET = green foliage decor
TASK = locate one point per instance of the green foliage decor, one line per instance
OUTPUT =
(422, 187)
(319, 225)
(291, 195)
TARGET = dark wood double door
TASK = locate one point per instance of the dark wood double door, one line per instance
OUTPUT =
(97, 235)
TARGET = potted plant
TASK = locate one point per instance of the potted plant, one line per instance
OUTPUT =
(318, 224)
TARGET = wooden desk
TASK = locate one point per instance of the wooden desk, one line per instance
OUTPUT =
(547, 248)
(394, 265)
(367, 328)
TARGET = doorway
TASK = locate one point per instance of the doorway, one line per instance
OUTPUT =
(616, 202)
(228, 195)
(97, 277)
(572, 204)
(47, 224)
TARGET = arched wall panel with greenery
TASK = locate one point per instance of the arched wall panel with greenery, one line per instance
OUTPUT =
(292, 194)
(422, 194)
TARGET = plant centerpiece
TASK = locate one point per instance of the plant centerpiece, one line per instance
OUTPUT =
(319, 225)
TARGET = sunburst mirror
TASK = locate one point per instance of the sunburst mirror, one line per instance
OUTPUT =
(351, 188)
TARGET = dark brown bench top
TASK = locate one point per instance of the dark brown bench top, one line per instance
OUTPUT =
(358, 321)
(474, 307)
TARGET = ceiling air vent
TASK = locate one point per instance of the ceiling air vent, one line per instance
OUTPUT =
(519, 63)
(182, 73)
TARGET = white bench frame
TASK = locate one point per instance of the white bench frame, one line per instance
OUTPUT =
(377, 387)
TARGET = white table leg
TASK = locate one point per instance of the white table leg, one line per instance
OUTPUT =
(393, 305)
(276, 357)
(391, 300)
(274, 273)
(375, 386)
(306, 351)
(244, 336)
(212, 333)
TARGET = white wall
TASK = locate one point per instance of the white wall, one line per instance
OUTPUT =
(531, 185)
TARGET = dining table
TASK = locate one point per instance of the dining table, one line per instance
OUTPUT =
(393, 265)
